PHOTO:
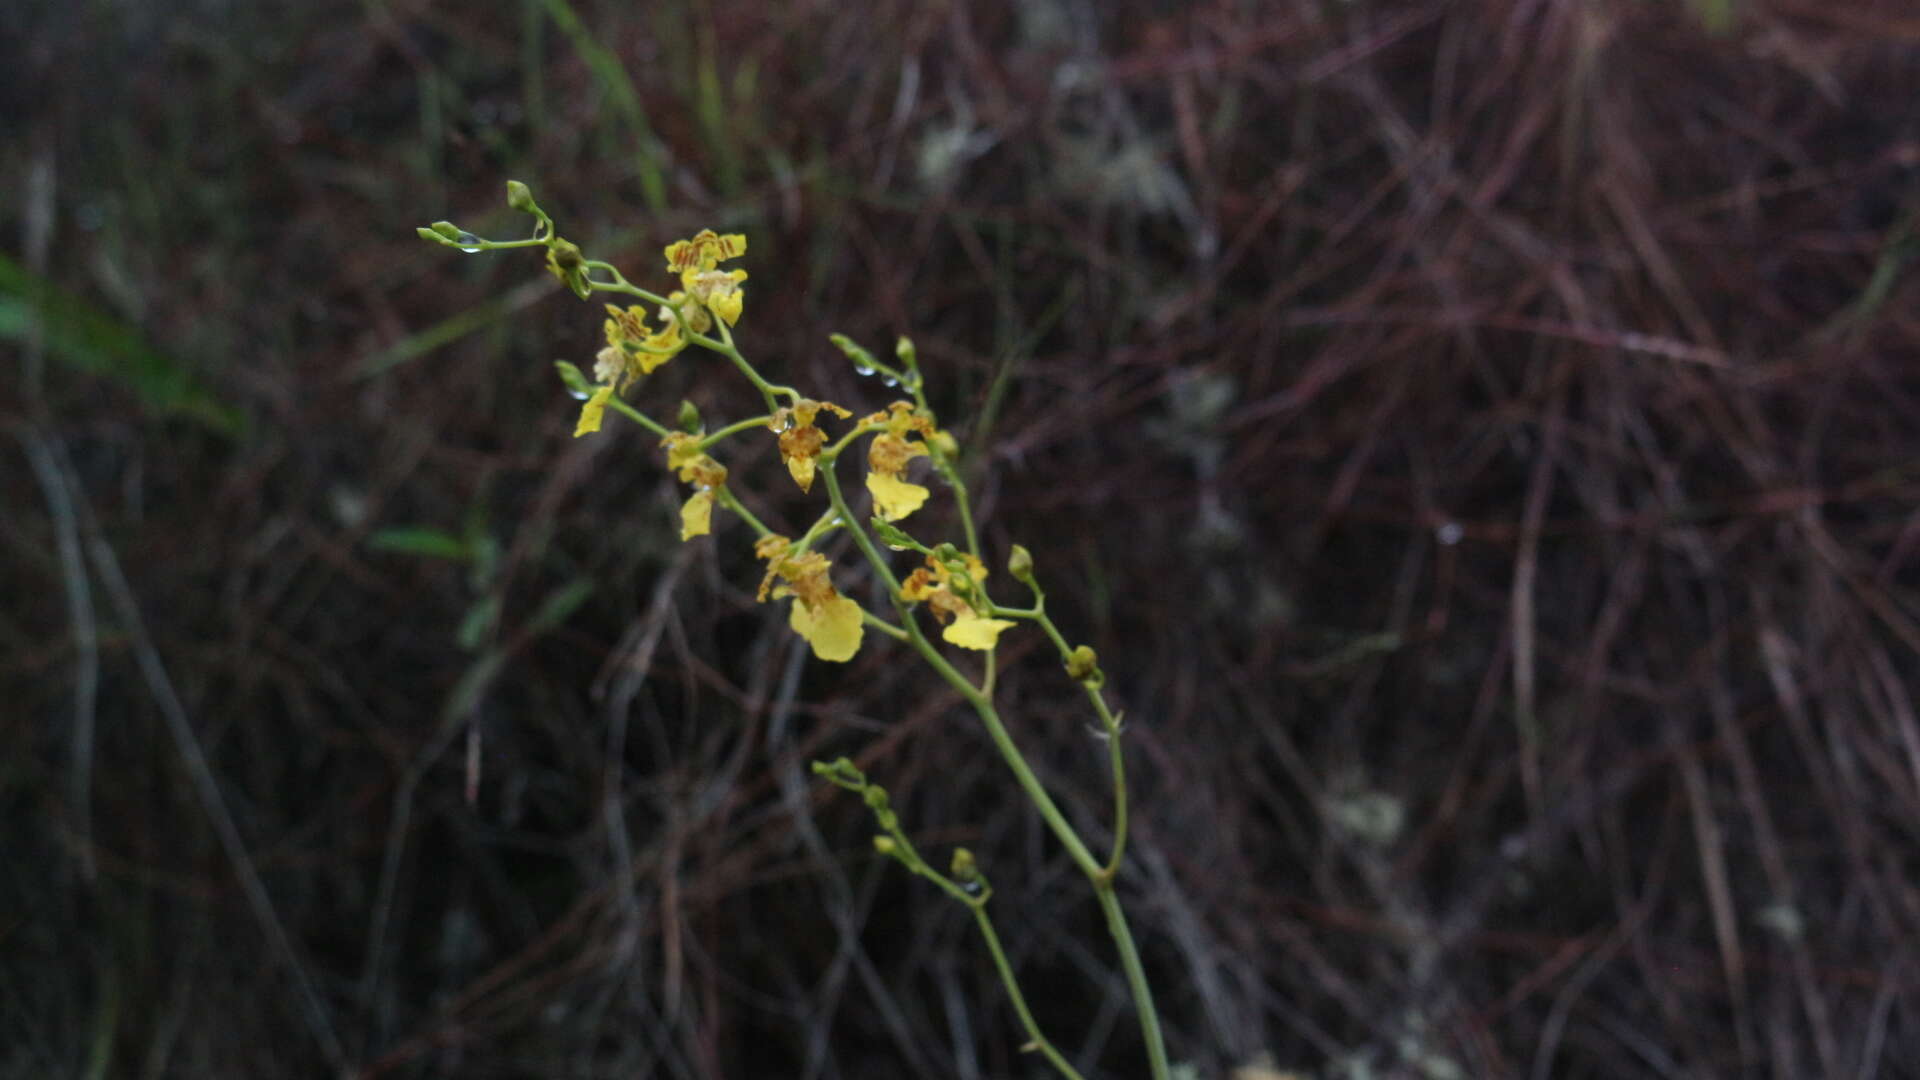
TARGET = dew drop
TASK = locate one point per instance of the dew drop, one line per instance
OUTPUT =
(467, 242)
(579, 395)
(890, 381)
(862, 369)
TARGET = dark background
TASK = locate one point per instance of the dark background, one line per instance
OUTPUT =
(1481, 439)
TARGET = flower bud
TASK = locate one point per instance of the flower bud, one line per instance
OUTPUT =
(842, 772)
(447, 230)
(862, 359)
(567, 264)
(963, 868)
(689, 417)
(891, 535)
(1083, 666)
(885, 845)
(1020, 565)
(519, 197)
(905, 351)
(574, 378)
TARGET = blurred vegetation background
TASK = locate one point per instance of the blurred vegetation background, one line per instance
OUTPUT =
(1481, 439)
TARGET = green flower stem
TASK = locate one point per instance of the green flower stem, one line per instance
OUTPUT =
(1119, 763)
(619, 284)
(726, 348)
(879, 564)
(1136, 978)
(734, 429)
(832, 453)
(636, 416)
(951, 471)
(1101, 876)
(982, 705)
(882, 625)
(976, 900)
(1039, 1041)
(728, 499)
(824, 523)
(1109, 723)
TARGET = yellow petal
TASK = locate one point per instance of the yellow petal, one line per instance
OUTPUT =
(727, 305)
(593, 411)
(802, 469)
(893, 497)
(970, 631)
(834, 630)
(696, 517)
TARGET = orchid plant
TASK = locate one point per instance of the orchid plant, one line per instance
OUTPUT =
(948, 587)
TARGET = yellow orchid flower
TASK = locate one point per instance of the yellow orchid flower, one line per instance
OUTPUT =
(638, 349)
(706, 250)
(698, 320)
(933, 585)
(800, 440)
(831, 624)
(712, 289)
(888, 456)
(719, 291)
(705, 474)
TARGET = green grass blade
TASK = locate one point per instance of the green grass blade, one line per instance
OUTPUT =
(91, 340)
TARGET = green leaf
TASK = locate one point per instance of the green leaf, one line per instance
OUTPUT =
(432, 543)
(86, 338)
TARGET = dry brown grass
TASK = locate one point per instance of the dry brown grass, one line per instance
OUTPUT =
(1481, 439)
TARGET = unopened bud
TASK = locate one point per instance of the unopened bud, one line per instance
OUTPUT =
(567, 264)
(904, 350)
(862, 359)
(572, 376)
(689, 417)
(885, 845)
(891, 535)
(519, 197)
(1083, 665)
(447, 230)
(962, 867)
(1020, 565)
(842, 772)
